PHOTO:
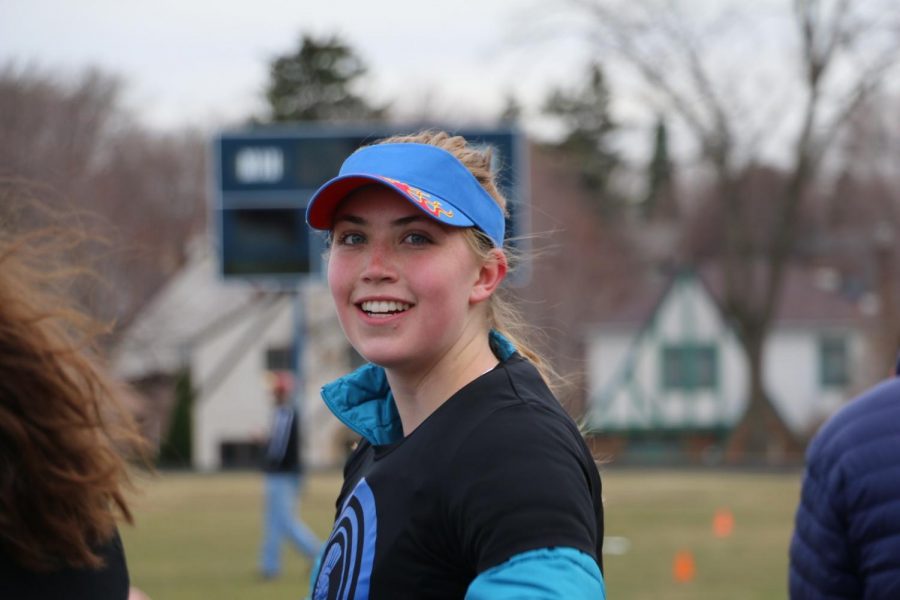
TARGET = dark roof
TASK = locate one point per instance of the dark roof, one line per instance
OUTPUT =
(803, 300)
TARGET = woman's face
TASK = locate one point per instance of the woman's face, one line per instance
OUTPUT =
(405, 286)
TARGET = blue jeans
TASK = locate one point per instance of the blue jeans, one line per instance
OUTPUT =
(282, 491)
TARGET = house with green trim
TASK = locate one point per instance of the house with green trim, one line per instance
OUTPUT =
(667, 378)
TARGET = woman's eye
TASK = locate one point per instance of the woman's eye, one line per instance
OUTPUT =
(417, 239)
(350, 239)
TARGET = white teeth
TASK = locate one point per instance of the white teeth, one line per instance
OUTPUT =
(382, 306)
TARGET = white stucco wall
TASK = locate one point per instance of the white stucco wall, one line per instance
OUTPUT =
(239, 407)
(793, 378)
(198, 318)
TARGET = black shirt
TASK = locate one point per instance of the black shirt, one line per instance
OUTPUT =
(497, 470)
(107, 583)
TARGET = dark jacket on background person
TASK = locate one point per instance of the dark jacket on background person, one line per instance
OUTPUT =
(282, 453)
(846, 541)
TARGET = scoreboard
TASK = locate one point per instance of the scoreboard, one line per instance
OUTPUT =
(263, 179)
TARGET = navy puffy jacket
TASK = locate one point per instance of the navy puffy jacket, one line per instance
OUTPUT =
(846, 541)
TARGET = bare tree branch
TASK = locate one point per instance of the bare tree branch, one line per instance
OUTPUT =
(754, 262)
(869, 81)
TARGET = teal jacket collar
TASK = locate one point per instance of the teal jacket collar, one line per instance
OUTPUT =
(363, 400)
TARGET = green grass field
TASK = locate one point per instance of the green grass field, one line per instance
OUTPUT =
(197, 536)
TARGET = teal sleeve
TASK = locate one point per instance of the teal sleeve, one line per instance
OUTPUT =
(544, 574)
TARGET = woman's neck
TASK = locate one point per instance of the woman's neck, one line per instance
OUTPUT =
(419, 393)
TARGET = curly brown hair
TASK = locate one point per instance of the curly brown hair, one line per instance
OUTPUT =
(65, 436)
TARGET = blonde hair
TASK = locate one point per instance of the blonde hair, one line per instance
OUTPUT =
(503, 315)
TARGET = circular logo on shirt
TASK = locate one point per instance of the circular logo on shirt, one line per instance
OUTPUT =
(346, 565)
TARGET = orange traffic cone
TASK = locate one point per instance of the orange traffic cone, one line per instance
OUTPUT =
(723, 523)
(683, 567)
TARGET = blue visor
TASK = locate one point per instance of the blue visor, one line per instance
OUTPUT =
(429, 177)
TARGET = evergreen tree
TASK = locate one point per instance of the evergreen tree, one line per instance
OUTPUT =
(659, 202)
(512, 110)
(316, 83)
(176, 450)
(587, 120)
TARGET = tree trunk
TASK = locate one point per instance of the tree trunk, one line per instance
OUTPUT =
(760, 436)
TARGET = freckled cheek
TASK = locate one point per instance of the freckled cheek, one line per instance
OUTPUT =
(437, 285)
(341, 288)
(340, 279)
(433, 284)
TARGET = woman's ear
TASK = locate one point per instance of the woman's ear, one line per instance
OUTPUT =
(490, 276)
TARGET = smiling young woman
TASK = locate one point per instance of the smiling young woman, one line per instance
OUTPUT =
(470, 480)
(410, 295)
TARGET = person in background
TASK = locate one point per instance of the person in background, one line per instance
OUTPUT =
(284, 475)
(846, 541)
(65, 437)
(470, 479)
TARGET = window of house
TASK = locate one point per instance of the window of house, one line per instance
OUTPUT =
(690, 366)
(833, 361)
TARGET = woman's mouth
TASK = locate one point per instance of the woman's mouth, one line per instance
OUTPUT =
(383, 308)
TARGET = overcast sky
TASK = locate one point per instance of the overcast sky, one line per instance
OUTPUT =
(204, 61)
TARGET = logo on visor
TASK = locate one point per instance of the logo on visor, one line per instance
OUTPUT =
(423, 198)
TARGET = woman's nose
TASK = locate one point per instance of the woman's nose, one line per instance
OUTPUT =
(380, 264)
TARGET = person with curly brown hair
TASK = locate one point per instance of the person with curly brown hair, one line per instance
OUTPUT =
(65, 437)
